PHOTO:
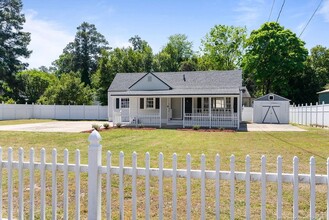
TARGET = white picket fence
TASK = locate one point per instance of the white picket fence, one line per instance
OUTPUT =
(61, 112)
(313, 115)
(95, 170)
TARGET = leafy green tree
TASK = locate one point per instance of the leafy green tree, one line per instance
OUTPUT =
(223, 47)
(138, 58)
(33, 83)
(67, 90)
(275, 57)
(176, 51)
(103, 77)
(82, 55)
(13, 46)
(319, 61)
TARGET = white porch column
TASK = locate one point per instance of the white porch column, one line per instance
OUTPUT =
(239, 108)
(136, 119)
(209, 110)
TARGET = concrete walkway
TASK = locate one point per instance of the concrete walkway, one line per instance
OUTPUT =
(270, 127)
(54, 126)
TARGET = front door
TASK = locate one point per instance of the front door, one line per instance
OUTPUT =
(188, 105)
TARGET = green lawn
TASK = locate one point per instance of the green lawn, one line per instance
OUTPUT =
(24, 121)
(314, 142)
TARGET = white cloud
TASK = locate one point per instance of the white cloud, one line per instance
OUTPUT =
(48, 40)
(325, 10)
(249, 12)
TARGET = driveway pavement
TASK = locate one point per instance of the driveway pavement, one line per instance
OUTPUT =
(270, 127)
(54, 126)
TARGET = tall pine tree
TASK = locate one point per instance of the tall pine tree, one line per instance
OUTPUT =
(13, 46)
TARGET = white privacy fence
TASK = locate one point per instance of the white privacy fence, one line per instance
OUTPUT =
(313, 115)
(64, 112)
(128, 192)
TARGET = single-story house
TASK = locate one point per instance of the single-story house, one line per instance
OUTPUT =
(324, 96)
(205, 98)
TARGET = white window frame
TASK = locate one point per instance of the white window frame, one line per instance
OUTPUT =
(218, 105)
(146, 103)
(124, 103)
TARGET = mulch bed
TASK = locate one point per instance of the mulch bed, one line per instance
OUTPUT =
(148, 128)
(206, 130)
(109, 129)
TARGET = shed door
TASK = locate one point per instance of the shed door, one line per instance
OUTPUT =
(270, 114)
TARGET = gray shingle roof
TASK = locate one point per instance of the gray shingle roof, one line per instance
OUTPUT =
(198, 82)
(324, 91)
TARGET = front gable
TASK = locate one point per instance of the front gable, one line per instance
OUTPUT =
(149, 82)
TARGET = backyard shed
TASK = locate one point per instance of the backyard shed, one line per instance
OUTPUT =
(271, 109)
(324, 96)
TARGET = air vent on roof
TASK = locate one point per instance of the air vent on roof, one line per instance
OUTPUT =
(184, 77)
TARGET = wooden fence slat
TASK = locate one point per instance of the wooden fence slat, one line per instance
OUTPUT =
(217, 182)
(20, 184)
(312, 188)
(10, 183)
(42, 184)
(247, 187)
(54, 184)
(160, 186)
(263, 182)
(232, 186)
(77, 184)
(31, 168)
(108, 186)
(279, 190)
(65, 185)
(121, 186)
(134, 186)
(188, 186)
(147, 186)
(295, 186)
(203, 187)
(174, 187)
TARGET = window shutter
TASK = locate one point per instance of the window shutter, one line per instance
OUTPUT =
(235, 105)
(117, 103)
(157, 103)
(141, 103)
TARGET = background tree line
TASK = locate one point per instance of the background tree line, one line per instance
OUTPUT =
(273, 59)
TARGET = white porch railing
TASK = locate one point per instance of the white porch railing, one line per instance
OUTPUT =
(138, 120)
(215, 120)
(95, 170)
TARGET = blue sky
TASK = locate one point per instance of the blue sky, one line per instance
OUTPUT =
(53, 23)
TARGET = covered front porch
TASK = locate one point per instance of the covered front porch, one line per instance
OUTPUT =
(209, 112)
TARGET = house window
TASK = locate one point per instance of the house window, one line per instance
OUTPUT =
(149, 102)
(125, 103)
(206, 104)
(228, 103)
(117, 102)
(218, 103)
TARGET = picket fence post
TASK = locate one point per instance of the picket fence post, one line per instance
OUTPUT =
(94, 177)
